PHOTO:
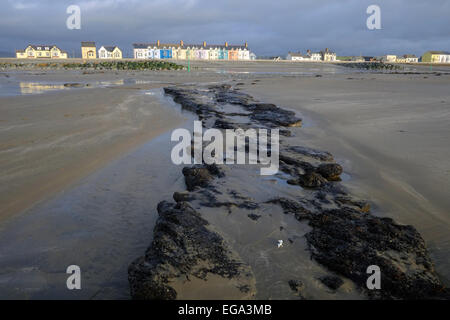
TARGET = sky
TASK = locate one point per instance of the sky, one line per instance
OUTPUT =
(271, 28)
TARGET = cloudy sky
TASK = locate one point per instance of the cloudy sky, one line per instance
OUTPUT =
(270, 27)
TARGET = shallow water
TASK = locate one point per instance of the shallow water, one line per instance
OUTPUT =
(10, 86)
(101, 225)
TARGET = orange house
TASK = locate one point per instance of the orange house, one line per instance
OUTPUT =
(233, 54)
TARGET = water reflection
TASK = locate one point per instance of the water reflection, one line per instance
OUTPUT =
(36, 87)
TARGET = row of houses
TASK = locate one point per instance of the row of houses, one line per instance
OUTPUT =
(325, 55)
(182, 51)
(88, 51)
(328, 56)
(204, 51)
(155, 50)
(407, 58)
(428, 57)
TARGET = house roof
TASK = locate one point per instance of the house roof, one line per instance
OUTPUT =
(297, 54)
(45, 47)
(110, 48)
(409, 56)
(88, 44)
(438, 52)
(140, 45)
(187, 45)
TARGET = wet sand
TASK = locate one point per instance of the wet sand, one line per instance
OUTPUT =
(391, 133)
(49, 141)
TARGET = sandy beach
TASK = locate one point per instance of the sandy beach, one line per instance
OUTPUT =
(390, 133)
(61, 148)
(48, 141)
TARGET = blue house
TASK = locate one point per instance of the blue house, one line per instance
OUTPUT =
(165, 54)
(223, 54)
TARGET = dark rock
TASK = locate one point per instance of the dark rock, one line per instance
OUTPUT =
(312, 153)
(196, 177)
(361, 205)
(224, 124)
(254, 216)
(330, 171)
(270, 113)
(285, 133)
(183, 196)
(74, 85)
(200, 175)
(311, 180)
(183, 247)
(291, 207)
(347, 242)
(332, 282)
(296, 285)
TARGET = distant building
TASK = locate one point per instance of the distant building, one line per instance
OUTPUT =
(357, 59)
(140, 51)
(41, 52)
(109, 52)
(369, 58)
(297, 56)
(436, 57)
(316, 56)
(252, 56)
(88, 50)
(407, 58)
(328, 56)
(389, 58)
(182, 51)
(411, 58)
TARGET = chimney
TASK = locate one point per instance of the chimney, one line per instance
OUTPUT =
(326, 50)
(226, 44)
(246, 44)
(181, 43)
(204, 43)
(157, 43)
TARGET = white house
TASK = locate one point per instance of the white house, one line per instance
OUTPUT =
(140, 51)
(389, 58)
(411, 58)
(444, 57)
(297, 56)
(328, 56)
(109, 52)
(315, 56)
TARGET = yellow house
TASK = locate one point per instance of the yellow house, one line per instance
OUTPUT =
(88, 50)
(436, 57)
(41, 52)
(109, 52)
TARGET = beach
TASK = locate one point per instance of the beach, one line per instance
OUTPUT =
(85, 166)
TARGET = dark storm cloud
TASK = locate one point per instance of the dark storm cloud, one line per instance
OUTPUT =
(270, 27)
